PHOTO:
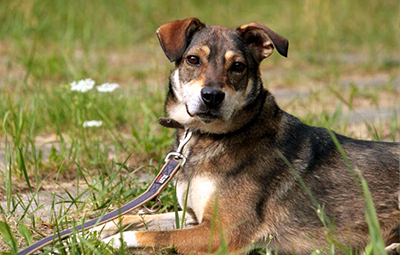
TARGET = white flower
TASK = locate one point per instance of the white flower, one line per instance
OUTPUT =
(107, 87)
(92, 123)
(82, 85)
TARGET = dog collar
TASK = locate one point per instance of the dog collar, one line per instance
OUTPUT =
(170, 123)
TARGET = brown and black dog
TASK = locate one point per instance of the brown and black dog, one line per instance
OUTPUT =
(254, 171)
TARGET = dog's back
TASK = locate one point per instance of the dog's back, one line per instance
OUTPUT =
(333, 182)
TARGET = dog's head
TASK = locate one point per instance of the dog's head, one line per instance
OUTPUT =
(216, 75)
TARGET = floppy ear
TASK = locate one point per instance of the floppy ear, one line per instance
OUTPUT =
(175, 36)
(263, 40)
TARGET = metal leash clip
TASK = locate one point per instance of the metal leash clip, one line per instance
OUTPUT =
(155, 208)
(178, 153)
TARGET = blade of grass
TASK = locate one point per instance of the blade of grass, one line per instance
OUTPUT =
(186, 201)
(377, 243)
(26, 233)
(176, 208)
(23, 169)
(8, 237)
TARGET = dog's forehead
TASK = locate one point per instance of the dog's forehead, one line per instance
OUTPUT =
(218, 39)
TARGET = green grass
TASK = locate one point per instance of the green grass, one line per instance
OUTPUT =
(45, 45)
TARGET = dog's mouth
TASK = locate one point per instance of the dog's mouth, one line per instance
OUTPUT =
(207, 117)
(204, 116)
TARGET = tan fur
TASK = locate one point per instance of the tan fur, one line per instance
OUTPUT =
(206, 50)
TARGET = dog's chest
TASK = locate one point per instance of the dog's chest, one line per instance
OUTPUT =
(197, 179)
(201, 192)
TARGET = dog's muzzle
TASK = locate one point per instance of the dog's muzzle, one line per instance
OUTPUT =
(208, 108)
(212, 98)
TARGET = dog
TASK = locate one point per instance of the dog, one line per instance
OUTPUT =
(255, 173)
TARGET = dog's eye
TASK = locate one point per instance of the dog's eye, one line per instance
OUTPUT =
(238, 67)
(193, 60)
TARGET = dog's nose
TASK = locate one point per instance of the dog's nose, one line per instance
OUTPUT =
(212, 97)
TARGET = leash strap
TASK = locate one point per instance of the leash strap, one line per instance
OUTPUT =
(169, 169)
(174, 161)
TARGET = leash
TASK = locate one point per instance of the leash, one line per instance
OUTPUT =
(173, 162)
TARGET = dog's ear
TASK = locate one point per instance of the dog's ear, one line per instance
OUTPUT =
(263, 40)
(175, 36)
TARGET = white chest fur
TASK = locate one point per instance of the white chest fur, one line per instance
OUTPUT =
(201, 191)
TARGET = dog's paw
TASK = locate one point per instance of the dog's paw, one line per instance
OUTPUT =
(128, 237)
(393, 249)
(113, 227)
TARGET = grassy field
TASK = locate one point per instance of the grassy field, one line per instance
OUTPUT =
(342, 73)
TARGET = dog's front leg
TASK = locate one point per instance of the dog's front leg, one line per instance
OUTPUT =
(153, 222)
(195, 240)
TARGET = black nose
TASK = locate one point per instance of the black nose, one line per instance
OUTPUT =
(212, 97)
